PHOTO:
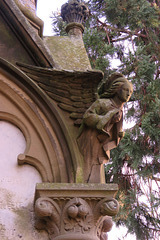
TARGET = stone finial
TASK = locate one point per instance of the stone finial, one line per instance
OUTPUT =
(74, 13)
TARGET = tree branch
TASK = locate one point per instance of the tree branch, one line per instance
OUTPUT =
(131, 33)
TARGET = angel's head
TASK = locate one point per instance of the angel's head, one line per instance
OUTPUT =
(118, 85)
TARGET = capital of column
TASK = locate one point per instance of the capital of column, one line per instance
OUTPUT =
(75, 211)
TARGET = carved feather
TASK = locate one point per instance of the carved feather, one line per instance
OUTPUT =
(74, 91)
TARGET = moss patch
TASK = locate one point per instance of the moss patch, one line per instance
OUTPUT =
(68, 53)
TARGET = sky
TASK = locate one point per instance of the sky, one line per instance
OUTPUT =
(45, 8)
(44, 11)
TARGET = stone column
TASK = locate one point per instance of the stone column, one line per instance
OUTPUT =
(75, 211)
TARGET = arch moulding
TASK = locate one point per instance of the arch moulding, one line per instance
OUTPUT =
(63, 207)
(25, 105)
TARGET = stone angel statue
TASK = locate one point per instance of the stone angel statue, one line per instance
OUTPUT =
(101, 129)
(100, 119)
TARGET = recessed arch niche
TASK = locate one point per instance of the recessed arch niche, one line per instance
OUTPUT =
(23, 104)
(16, 182)
(17, 187)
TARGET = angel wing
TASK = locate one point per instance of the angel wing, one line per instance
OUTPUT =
(73, 91)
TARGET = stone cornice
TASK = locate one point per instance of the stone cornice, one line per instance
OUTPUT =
(69, 190)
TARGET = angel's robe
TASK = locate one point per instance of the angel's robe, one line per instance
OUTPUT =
(100, 129)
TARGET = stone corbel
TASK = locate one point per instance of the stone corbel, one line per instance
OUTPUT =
(75, 211)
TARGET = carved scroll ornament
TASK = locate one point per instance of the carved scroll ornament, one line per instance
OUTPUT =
(75, 218)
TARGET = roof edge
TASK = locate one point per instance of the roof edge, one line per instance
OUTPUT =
(26, 34)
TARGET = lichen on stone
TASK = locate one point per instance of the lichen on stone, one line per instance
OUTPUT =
(68, 53)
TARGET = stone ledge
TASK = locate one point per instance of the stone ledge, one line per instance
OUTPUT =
(71, 190)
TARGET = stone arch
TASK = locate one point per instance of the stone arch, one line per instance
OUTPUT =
(17, 187)
(25, 105)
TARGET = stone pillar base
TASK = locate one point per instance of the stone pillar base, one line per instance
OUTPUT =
(75, 211)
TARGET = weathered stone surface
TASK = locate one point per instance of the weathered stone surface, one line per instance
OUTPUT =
(76, 98)
(66, 107)
(31, 104)
(17, 187)
(102, 126)
(75, 211)
(77, 122)
(88, 100)
(10, 47)
(78, 104)
(28, 8)
(74, 12)
(76, 85)
(61, 91)
(59, 98)
(53, 85)
(69, 54)
(72, 190)
(73, 90)
(32, 49)
(28, 4)
(70, 108)
(76, 115)
(87, 94)
(41, 123)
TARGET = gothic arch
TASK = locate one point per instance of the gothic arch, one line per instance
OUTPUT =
(25, 105)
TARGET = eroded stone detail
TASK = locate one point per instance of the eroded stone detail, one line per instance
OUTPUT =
(109, 207)
(74, 11)
(101, 129)
(76, 218)
(48, 213)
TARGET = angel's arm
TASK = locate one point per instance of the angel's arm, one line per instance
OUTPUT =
(107, 118)
(97, 116)
(92, 115)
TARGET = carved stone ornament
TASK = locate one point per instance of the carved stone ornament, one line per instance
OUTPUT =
(74, 11)
(101, 129)
(75, 211)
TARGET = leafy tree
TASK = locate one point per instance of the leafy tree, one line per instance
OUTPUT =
(128, 31)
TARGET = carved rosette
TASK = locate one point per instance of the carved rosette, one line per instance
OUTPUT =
(75, 218)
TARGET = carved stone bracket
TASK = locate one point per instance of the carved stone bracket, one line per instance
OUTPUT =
(75, 211)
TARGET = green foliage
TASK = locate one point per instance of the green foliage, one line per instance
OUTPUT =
(58, 25)
(128, 30)
(98, 50)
